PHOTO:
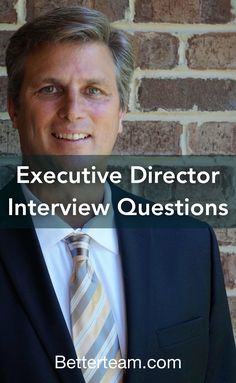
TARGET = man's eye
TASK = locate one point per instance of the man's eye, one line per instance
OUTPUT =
(50, 89)
(93, 91)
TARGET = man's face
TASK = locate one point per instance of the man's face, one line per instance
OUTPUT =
(69, 101)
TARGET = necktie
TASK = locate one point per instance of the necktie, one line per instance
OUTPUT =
(93, 327)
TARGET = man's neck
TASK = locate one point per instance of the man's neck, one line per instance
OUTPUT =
(84, 193)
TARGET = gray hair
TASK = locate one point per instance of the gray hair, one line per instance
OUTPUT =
(69, 24)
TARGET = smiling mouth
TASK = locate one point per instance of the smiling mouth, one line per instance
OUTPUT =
(71, 136)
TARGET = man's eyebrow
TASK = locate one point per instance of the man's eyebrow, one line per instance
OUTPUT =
(44, 80)
(88, 81)
(97, 81)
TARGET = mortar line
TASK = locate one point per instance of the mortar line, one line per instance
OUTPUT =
(175, 28)
(184, 117)
(227, 248)
(21, 11)
(183, 140)
(182, 72)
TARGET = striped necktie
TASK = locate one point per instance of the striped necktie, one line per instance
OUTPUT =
(93, 327)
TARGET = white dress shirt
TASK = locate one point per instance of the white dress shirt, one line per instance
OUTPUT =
(104, 255)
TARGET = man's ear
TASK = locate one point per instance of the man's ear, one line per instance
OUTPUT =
(121, 117)
(12, 111)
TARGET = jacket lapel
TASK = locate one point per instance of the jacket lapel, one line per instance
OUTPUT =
(136, 282)
(134, 243)
(26, 268)
(25, 265)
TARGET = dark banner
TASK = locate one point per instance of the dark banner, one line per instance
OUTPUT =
(55, 191)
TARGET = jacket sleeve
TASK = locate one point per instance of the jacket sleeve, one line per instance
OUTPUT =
(222, 352)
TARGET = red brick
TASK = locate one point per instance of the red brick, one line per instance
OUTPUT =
(183, 11)
(9, 138)
(229, 269)
(212, 51)
(155, 50)
(4, 38)
(186, 94)
(115, 10)
(3, 94)
(149, 137)
(8, 12)
(232, 307)
(215, 11)
(226, 237)
(212, 138)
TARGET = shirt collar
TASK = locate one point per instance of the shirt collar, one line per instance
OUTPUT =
(99, 228)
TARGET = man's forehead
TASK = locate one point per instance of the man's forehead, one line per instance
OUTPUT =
(84, 49)
(91, 61)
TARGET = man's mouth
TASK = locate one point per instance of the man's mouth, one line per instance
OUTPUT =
(71, 136)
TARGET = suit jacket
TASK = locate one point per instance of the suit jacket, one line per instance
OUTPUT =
(175, 302)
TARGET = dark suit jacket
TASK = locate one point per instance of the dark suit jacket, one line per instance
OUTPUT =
(175, 301)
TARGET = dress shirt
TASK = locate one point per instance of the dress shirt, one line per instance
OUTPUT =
(104, 255)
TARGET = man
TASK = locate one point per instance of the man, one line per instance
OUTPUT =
(68, 90)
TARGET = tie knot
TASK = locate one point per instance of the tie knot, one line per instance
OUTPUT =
(78, 244)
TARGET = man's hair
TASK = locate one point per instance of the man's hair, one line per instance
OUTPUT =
(70, 24)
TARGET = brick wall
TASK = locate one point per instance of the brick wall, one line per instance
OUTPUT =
(183, 93)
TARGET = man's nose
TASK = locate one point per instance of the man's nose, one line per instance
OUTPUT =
(72, 107)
